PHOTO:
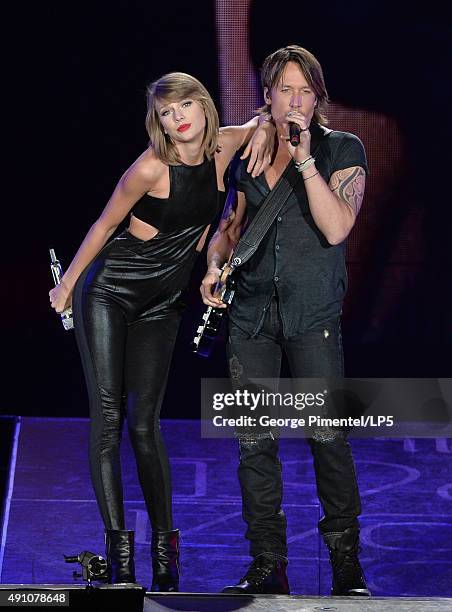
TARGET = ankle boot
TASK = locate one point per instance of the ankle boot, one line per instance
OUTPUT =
(165, 560)
(120, 550)
(348, 576)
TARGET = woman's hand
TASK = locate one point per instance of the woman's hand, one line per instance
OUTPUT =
(260, 148)
(302, 151)
(60, 297)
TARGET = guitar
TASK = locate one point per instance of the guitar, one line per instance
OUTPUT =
(212, 319)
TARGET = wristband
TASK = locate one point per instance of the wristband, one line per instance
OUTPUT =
(302, 166)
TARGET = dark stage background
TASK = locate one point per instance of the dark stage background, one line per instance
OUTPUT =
(79, 106)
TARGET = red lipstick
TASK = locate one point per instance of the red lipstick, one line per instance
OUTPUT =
(184, 127)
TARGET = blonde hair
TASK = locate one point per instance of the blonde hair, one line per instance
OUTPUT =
(173, 87)
(273, 68)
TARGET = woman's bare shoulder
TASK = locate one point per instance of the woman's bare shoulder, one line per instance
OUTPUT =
(147, 168)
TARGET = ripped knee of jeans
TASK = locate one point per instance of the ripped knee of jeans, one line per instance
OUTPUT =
(253, 438)
(328, 434)
(235, 368)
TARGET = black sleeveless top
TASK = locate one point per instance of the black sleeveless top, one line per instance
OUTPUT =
(193, 199)
(147, 277)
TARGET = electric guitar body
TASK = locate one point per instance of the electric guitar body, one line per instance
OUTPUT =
(212, 319)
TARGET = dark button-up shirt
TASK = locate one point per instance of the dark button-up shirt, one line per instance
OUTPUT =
(294, 259)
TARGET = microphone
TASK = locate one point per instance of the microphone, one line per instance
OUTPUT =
(294, 134)
(57, 273)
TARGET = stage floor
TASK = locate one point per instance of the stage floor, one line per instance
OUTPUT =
(406, 494)
(282, 603)
(134, 599)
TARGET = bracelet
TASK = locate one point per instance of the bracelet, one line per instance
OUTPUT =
(302, 166)
(298, 164)
(308, 177)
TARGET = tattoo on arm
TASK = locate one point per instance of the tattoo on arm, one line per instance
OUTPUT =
(349, 185)
(228, 214)
(228, 231)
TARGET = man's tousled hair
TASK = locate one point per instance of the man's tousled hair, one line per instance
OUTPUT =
(273, 69)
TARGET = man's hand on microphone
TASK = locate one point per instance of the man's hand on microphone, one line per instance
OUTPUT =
(302, 151)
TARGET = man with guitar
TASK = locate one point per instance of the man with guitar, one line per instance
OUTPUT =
(288, 297)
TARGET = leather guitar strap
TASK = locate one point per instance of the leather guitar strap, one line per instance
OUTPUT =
(268, 211)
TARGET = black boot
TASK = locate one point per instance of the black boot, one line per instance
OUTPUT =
(165, 560)
(348, 576)
(120, 549)
(266, 574)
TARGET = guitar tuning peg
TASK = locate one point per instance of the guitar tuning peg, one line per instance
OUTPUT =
(200, 328)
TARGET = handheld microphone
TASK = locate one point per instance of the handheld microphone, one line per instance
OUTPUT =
(294, 134)
(57, 273)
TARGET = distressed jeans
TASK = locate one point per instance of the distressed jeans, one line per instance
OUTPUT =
(314, 354)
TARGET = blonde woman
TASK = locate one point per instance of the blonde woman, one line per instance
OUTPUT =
(126, 301)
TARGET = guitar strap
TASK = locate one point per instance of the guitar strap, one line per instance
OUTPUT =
(267, 213)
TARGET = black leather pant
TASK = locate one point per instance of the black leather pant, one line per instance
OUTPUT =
(315, 354)
(126, 350)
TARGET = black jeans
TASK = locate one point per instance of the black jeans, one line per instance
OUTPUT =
(315, 354)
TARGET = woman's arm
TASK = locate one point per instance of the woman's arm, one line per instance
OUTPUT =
(136, 181)
(258, 135)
